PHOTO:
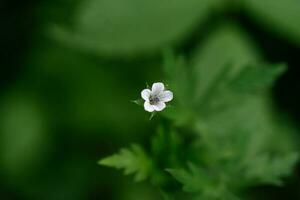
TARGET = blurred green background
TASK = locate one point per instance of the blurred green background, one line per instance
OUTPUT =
(69, 69)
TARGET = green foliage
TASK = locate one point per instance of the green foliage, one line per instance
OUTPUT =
(121, 27)
(235, 122)
(194, 180)
(257, 77)
(150, 165)
(132, 160)
(226, 47)
(232, 137)
(198, 180)
(266, 169)
(282, 16)
(166, 142)
(68, 79)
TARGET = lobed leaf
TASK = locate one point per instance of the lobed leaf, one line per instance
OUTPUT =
(133, 160)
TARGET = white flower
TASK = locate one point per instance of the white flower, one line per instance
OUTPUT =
(156, 97)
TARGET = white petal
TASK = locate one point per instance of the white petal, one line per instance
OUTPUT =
(145, 94)
(148, 107)
(160, 106)
(166, 96)
(157, 88)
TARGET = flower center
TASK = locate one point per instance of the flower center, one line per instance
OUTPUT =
(153, 100)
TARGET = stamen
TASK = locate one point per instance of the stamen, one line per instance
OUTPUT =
(153, 100)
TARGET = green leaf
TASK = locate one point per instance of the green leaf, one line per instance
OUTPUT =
(220, 57)
(251, 139)
(182, 83)
(133, 160)
(227, 47)
(166, 142)
(235, 118)
(194, 180)
(282, 16)
(179, 76)
(266, 169)
(230, 89)
(203, 183)
(256, 77)
(227, 67)
(166, 151)
(121, 27)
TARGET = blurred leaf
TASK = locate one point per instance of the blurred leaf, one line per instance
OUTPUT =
(230, 89)
(203, 183)
(121, 27)
(179, 76)
(268, 170)
(238, 133)
(282, 16)
(226, 47)
(256, 77)
(235, 119)
(132, 160)
(166, 151)
(224, 53)
(194, 180)
(180, 115)
(165, 143)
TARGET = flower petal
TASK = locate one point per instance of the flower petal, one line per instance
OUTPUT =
(145, 94)
(159, 106)
(157, 88)
(166, 96)
(148, 107)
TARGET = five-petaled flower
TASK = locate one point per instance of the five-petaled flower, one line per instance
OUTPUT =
(156, 97)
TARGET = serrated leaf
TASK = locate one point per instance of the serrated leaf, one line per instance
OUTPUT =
(193, 180)
(203, 183)
(121, 27)
(133, 160)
